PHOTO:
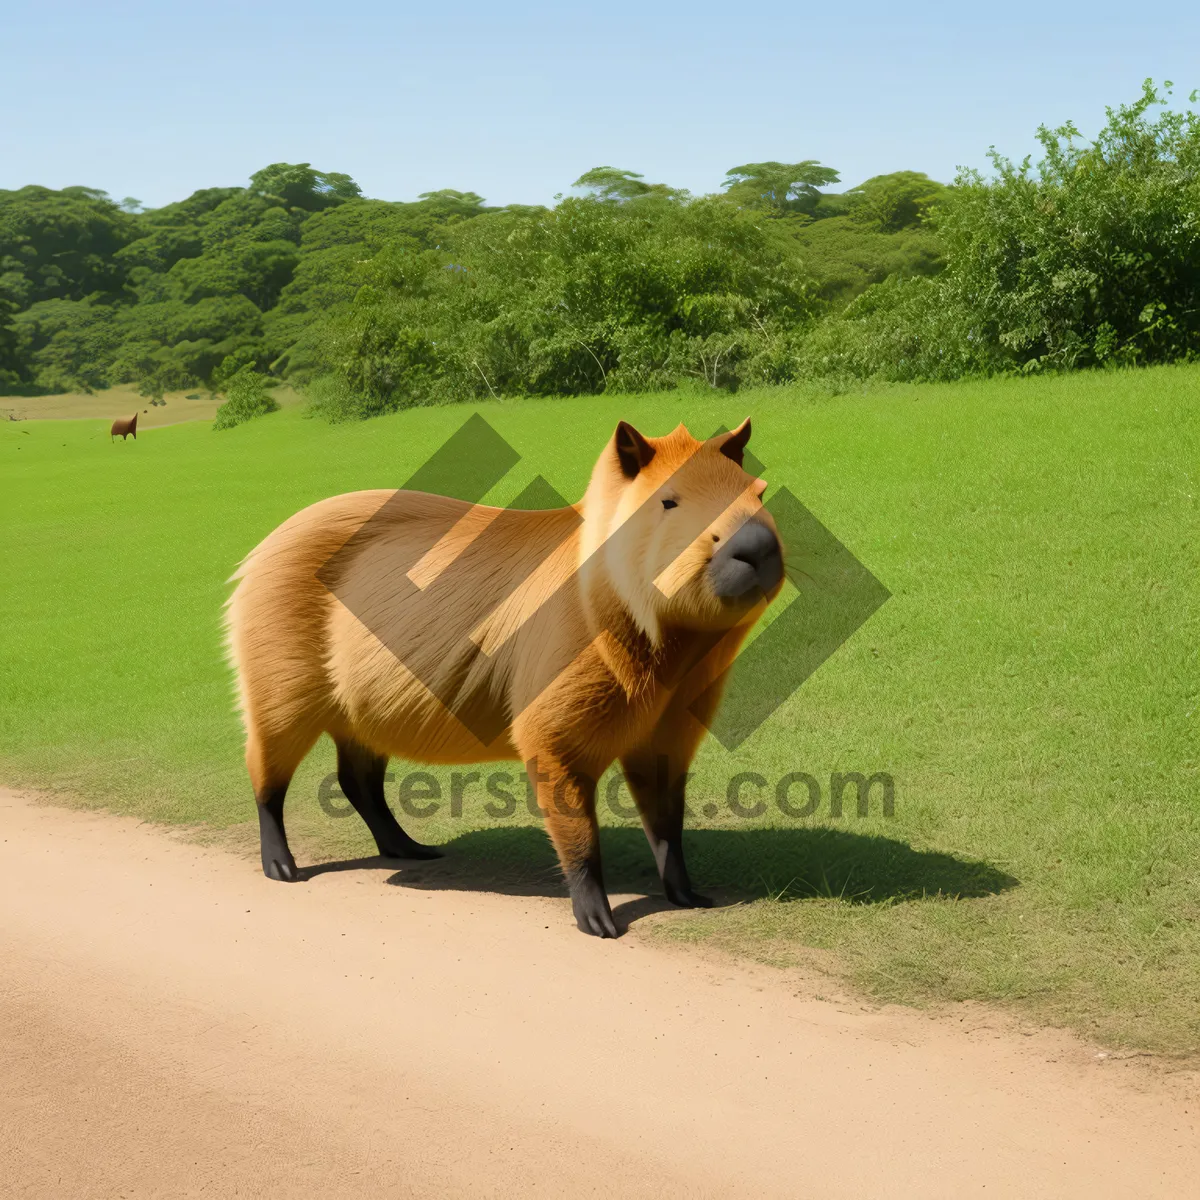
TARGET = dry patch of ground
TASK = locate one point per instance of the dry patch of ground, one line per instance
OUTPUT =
(123, 401)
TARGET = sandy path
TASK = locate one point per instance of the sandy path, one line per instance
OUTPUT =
(174, 1024)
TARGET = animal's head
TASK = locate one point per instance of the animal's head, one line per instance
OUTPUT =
(679, 531)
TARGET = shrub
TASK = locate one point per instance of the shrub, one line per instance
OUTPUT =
(332, 398)
(1092, 258)
(847, 255)
(899, 330)
(246, 398)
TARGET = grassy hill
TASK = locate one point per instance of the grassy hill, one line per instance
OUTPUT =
(1031, 686)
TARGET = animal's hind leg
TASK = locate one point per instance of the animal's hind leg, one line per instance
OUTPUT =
(271, 768)
(361, 776)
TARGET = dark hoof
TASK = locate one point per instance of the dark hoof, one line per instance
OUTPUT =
(688, 898)
(284, 871)
(593, 915)
(599, 925)
(411, 850)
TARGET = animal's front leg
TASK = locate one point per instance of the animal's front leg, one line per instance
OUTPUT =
(568, 801)
(658, 783)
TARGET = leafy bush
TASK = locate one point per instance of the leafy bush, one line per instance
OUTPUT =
(331, 397)
(846, 255)
(1091, 258)
(899, 330)
(246, 398)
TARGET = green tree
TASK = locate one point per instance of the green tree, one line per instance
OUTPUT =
(461, 202)
(168, 344)
(846, 256)
(779, 187)
(61, 244)
(67, 345)
(336, 246)
(164, 297)
(613, 185)
(890, 203)
(298, 185)
(11, 374)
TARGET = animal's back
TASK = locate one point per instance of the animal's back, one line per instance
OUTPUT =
(371, 615)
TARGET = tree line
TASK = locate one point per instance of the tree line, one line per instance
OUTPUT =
(299, 276)
(1088, 257)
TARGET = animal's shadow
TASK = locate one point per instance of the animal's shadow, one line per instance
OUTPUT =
(730, 865)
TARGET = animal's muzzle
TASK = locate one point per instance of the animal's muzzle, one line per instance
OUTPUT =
(750, 562)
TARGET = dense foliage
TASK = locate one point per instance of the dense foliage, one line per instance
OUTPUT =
(1089, 257)
(626, 284)
(582, 298)
(174, 297)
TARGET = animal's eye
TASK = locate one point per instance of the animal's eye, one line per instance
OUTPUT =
(670, 504)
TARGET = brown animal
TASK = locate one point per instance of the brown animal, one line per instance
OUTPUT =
(412, 625)
(123, 426)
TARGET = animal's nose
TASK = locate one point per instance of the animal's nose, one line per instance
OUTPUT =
(751, 560)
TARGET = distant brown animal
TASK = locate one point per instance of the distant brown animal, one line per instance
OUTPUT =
(404, 624)
(123, 426)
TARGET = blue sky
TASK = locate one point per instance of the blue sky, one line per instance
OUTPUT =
(516, 100)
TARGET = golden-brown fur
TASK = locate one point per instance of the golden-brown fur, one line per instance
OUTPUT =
(411, 625)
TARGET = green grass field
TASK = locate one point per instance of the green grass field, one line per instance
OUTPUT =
(1032, 685)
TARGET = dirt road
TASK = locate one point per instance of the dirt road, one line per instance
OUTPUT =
(174, 1024)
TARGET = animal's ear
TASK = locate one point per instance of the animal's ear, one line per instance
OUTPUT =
(735, 444)
(633, 451)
